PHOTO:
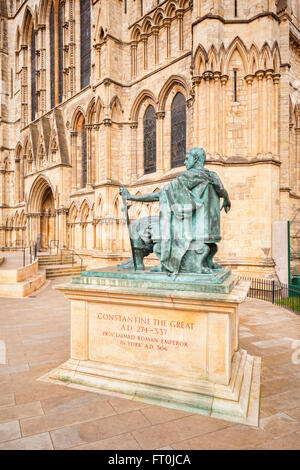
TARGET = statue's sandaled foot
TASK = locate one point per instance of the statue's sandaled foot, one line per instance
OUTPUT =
(206, 271)
(128, 264)
(216, 267)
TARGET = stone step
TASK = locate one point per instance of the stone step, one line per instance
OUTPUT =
(63, 271)
(55, 261)
(23, 288)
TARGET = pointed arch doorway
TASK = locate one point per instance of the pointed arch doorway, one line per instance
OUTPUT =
(47, 219)
(42, 213)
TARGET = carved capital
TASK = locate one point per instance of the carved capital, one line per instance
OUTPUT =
(160, 115)
(224, 79)
(144, 37)
(134, 44)
(260, 74)
(190, 102)
(134, 125)
(217, 76)
(196, 79)
(167, 22)
(276, 78)
(155, 30)
(208, 75)
(180, 13)
(107, 122)
(249, 79)
(269, 74)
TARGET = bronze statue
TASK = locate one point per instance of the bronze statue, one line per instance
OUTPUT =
(185, 234)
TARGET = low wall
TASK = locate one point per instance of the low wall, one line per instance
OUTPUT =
(19, 274)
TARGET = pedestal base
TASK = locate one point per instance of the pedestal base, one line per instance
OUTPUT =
(238, 401)
(175, 348)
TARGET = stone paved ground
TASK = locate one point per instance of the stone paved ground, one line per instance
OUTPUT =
(37, 415)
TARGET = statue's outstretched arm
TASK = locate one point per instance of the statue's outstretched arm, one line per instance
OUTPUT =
(222, 193)
(151, 197)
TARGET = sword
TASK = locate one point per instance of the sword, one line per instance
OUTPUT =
(125, 209)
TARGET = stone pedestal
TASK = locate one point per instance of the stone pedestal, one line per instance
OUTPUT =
(176, 348)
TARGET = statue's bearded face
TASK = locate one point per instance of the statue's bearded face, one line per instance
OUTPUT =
(190, 160)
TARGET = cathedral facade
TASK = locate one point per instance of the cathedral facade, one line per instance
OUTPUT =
(101, 93)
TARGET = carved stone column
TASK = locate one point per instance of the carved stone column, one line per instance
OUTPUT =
(224, 80)
(74, 135)
(98, 55)
(196, 84)
(89, 181)
(107, 123)
(179, 14)
(276, 78)
(216, 133)
(160, 116)
(133, 46)
(249, 80)
(208, 75)
(190, 124)
(72, 49)
(260, 75)
(42, 87)
(144, 38)
(155, 32)
(270, 100)
(17, 180)
(297, 152)
(24, 86)
(2, 187)
(133, 127)
(167, 25)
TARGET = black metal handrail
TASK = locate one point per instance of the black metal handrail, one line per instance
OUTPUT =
(73, 254)
(54, 243)
(32, 251)
(284, 295)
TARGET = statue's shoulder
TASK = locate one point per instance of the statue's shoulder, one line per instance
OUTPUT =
(214, 175)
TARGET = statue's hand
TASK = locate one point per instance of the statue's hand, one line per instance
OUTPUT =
(124, 192)
(226, 205)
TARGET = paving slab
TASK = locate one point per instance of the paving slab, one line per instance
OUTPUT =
(37, 415)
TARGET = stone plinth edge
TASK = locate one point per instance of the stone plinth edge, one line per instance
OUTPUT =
(236, 402)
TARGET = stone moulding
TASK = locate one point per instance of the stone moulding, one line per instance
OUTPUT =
(177, 349)
(220, 282)
(237, 402)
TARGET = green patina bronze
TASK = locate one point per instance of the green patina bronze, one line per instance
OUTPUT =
(185, 234)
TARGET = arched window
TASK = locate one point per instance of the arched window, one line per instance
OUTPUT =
(56, 53)
(33, 77)
(52, 56)
(149, 140)
(178, 130)
(85, 42)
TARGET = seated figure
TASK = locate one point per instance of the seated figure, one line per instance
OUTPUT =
(185, 234)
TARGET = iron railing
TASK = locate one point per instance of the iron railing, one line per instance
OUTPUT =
(29, 251)
(54, 244)
(285, 295)
(66, 251)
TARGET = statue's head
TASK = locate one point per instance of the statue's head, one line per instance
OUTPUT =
(195, 157)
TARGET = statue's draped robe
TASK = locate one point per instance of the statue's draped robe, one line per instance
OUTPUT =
(189, 215)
